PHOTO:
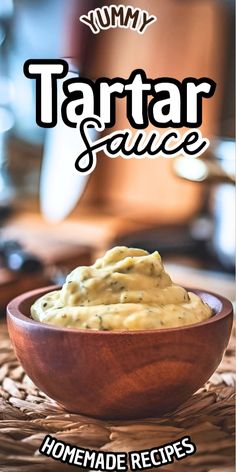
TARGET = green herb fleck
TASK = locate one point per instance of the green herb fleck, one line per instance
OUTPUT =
(152, 269)
(100, 320)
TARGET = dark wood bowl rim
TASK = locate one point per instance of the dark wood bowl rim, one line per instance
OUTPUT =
(13, 311)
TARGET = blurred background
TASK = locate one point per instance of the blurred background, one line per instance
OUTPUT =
(53, 219)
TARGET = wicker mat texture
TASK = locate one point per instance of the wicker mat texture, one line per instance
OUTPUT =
(27, 415)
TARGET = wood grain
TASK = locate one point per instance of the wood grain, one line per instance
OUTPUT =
(119, 374)
(208, 416)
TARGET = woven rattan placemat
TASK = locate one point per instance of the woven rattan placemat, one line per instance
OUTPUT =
(27, 415)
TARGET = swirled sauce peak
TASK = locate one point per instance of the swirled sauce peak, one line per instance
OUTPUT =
(126, 289)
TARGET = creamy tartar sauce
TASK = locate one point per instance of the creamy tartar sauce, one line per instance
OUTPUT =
(126, 289)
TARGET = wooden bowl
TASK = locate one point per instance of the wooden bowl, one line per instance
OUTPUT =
(122, 374)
